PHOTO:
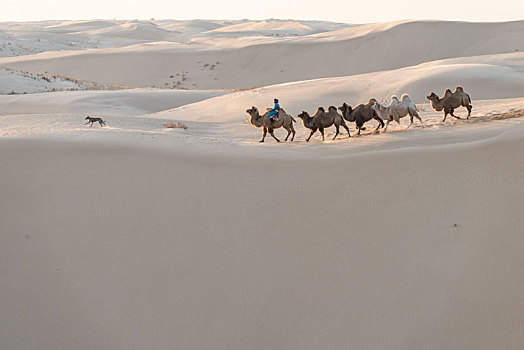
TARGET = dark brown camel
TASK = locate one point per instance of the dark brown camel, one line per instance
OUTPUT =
(322, 120)
(361, 114)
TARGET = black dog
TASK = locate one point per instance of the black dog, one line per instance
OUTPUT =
(94, 120)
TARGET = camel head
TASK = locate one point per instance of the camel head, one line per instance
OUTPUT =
(255, 115)
(378, 107)
(432, 97)
(303, 115)
(347, 112)
(306, 119)
(436, 102)
(380, 110)
(252, 111)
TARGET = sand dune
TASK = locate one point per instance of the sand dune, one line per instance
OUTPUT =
(265, 62)
(136, 30)
(129, 249)
(193, 26)
(138, 236)
(14, 82)
(484, 77)
(78, 26)
(35, 41)
(278, 28)
(119, 102)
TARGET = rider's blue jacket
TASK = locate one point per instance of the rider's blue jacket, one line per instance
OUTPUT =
(274, 110)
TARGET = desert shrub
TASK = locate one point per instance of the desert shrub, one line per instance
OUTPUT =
(177, 125)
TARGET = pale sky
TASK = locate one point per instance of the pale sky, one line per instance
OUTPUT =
(355, 11)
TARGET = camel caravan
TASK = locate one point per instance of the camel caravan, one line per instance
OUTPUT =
(276, 117)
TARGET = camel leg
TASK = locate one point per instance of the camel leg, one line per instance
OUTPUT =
(311, 134)
(410, 121)
(415, 114)
(271, 133)
(91, 125)
(322, 132)
(288, 133)
(380, 123)
(264, 135)
(445, 115)
(453, 115)
(358, 130)
(469, 107)
(337, 127)
(291, 131)
(419, 119)
(387, 123)
(347, 129)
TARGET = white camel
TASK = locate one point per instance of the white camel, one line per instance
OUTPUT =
(397, 109)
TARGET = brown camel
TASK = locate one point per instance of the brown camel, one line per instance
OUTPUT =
(284, 120)
(361, 114)
(322, 120)
(450, 101)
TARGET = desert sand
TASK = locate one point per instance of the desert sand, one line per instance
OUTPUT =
(136, 236)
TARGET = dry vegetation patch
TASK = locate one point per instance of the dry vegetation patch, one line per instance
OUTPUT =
(177, 125)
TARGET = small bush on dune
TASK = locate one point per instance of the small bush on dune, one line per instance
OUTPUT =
(177, 125)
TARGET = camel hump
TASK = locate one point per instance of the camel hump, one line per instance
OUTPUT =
(459, 88)
(282, 110)
(345, 106)
(394, 98)
(405, 97)
(321, 109)
(332, 108)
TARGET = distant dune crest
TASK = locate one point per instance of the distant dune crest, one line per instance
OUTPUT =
(247, 54)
